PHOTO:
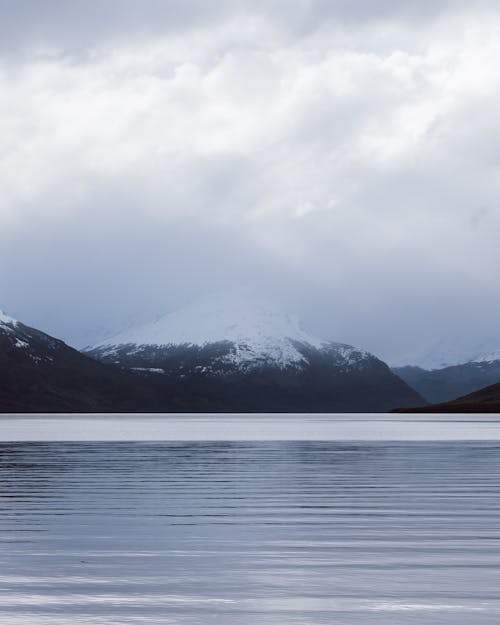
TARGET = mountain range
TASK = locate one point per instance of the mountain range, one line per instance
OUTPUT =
(230, 353)
(453, 379)
(222, 354)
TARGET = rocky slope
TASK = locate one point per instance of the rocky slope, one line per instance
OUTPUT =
(39, 373)
(486, 400)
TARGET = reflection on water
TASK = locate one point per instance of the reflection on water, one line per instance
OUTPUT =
(263, 533)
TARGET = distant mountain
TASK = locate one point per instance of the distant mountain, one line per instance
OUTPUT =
(238, 353)
(486, 400)
(447, 383)
(39, 373)
(452, 350)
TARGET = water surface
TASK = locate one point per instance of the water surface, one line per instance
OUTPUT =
(250, 533)
(299, 427)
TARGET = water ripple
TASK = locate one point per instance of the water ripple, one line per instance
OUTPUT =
(250, 533)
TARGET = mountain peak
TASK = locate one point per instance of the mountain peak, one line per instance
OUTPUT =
(256, 327)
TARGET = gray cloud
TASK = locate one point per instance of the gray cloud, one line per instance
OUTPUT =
(77, 24)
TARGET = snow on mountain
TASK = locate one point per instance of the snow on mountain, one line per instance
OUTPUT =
(256, 329)
(435, 362)
(487, 357)
(32, 343)
(9, 327)
(5, 320)
(453, 351)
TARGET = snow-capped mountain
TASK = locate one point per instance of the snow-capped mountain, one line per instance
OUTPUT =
(453, 350)
(238, 352)
(221, 355)
(246, 332)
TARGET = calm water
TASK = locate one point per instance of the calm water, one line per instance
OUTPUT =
(243, 533)
(333, 427)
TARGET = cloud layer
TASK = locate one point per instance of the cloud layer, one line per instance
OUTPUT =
(341, 157)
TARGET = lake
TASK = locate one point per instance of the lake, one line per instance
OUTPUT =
(262, 520)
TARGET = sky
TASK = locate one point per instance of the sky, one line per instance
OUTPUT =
(341, 156)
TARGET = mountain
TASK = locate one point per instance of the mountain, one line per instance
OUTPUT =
(448, 382)
(453, 349)
(486, 400)
(39, 373)
(238, 353)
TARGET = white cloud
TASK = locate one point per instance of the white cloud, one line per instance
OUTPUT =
(352, 155)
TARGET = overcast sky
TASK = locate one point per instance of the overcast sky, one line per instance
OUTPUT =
(342, 155)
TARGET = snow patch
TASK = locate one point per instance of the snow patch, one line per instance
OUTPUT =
(6, 320)
(487, 357)
(351, 355)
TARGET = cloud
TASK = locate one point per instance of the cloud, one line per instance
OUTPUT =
(330, 153)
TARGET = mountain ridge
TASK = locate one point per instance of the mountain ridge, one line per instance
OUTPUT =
(40, 373)
(484, 401)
